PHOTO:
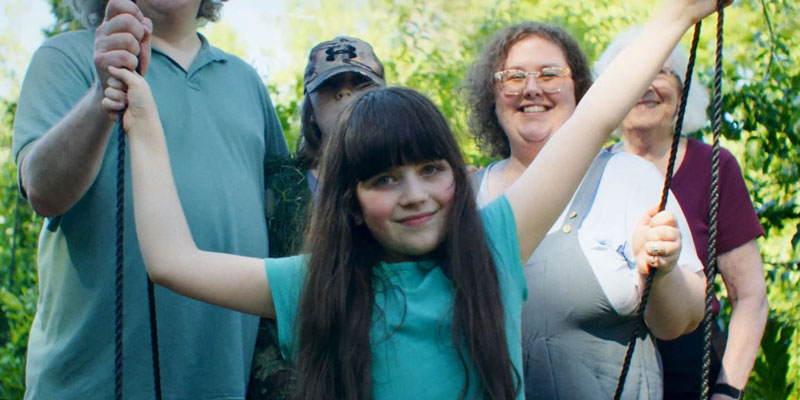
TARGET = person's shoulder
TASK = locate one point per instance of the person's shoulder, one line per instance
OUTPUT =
(233, 60)
(704, 150)
(697, 146)
(726, 156)
(628, 164)
(75, 39)
(622, 157)
(496, 211)
(626, 173)
(287, 269)
(77, 46)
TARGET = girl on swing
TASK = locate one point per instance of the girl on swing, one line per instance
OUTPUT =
(407, 290)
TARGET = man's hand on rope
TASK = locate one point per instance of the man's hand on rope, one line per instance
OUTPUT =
(656, 242)
(123, 41)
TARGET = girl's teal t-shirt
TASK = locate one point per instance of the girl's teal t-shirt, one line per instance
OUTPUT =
(413, 356)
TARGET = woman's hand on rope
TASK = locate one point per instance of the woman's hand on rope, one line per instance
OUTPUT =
(656, 242)
(128, 89)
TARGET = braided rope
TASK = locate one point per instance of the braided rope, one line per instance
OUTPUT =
(120, 260)
(151, 300)
(711, 270)
(118, 286)
(639, 316)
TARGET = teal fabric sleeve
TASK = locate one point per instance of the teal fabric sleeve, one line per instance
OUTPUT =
(501, 232)
(286, 277)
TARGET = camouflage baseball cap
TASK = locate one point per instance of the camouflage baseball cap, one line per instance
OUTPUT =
(342, 54)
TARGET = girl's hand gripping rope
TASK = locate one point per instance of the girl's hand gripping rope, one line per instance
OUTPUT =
(123, 41)
(129, 89)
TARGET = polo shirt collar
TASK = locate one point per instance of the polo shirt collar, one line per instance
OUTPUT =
(207, 54)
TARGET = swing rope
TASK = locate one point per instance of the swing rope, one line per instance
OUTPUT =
(711, 270)
(714, 200)
(118, 283)
(120, 259)
(151, 299)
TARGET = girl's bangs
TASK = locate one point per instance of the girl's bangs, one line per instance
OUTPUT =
(386, 130)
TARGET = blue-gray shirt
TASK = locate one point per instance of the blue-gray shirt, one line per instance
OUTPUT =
(220, 126)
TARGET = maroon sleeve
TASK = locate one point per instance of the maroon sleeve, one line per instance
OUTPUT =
(737, 222)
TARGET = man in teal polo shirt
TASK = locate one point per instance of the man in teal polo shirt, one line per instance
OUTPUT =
(220, 127)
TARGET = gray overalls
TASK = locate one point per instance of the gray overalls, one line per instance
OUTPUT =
(573, 340)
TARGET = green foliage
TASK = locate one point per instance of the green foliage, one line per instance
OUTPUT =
(769, 381)
(19, 230)
(287, 200)
(288, 110)
(64, 20)
(761, 98)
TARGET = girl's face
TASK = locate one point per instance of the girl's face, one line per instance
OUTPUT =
(331, 97)
(406, 208)
(656, 110)
(531, 116)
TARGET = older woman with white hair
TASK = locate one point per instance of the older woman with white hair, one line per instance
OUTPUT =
(647, 131)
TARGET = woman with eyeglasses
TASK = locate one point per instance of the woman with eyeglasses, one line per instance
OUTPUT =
(583, 284)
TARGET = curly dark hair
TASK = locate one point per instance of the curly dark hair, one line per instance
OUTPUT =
(479, 83)
(209, 10)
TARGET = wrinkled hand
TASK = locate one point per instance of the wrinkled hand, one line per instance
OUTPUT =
(127, 87)
(122, 40)
(656, 242)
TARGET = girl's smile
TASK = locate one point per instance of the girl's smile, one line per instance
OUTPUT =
(406, 208)
(418, 219)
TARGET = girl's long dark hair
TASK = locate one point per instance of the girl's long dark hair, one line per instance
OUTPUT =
(384, 128)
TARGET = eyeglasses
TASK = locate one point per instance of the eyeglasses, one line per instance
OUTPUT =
(550, 79)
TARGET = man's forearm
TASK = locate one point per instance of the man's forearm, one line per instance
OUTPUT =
(63, 163)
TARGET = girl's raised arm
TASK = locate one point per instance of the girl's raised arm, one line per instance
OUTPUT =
(543, 190)
(169, 251)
